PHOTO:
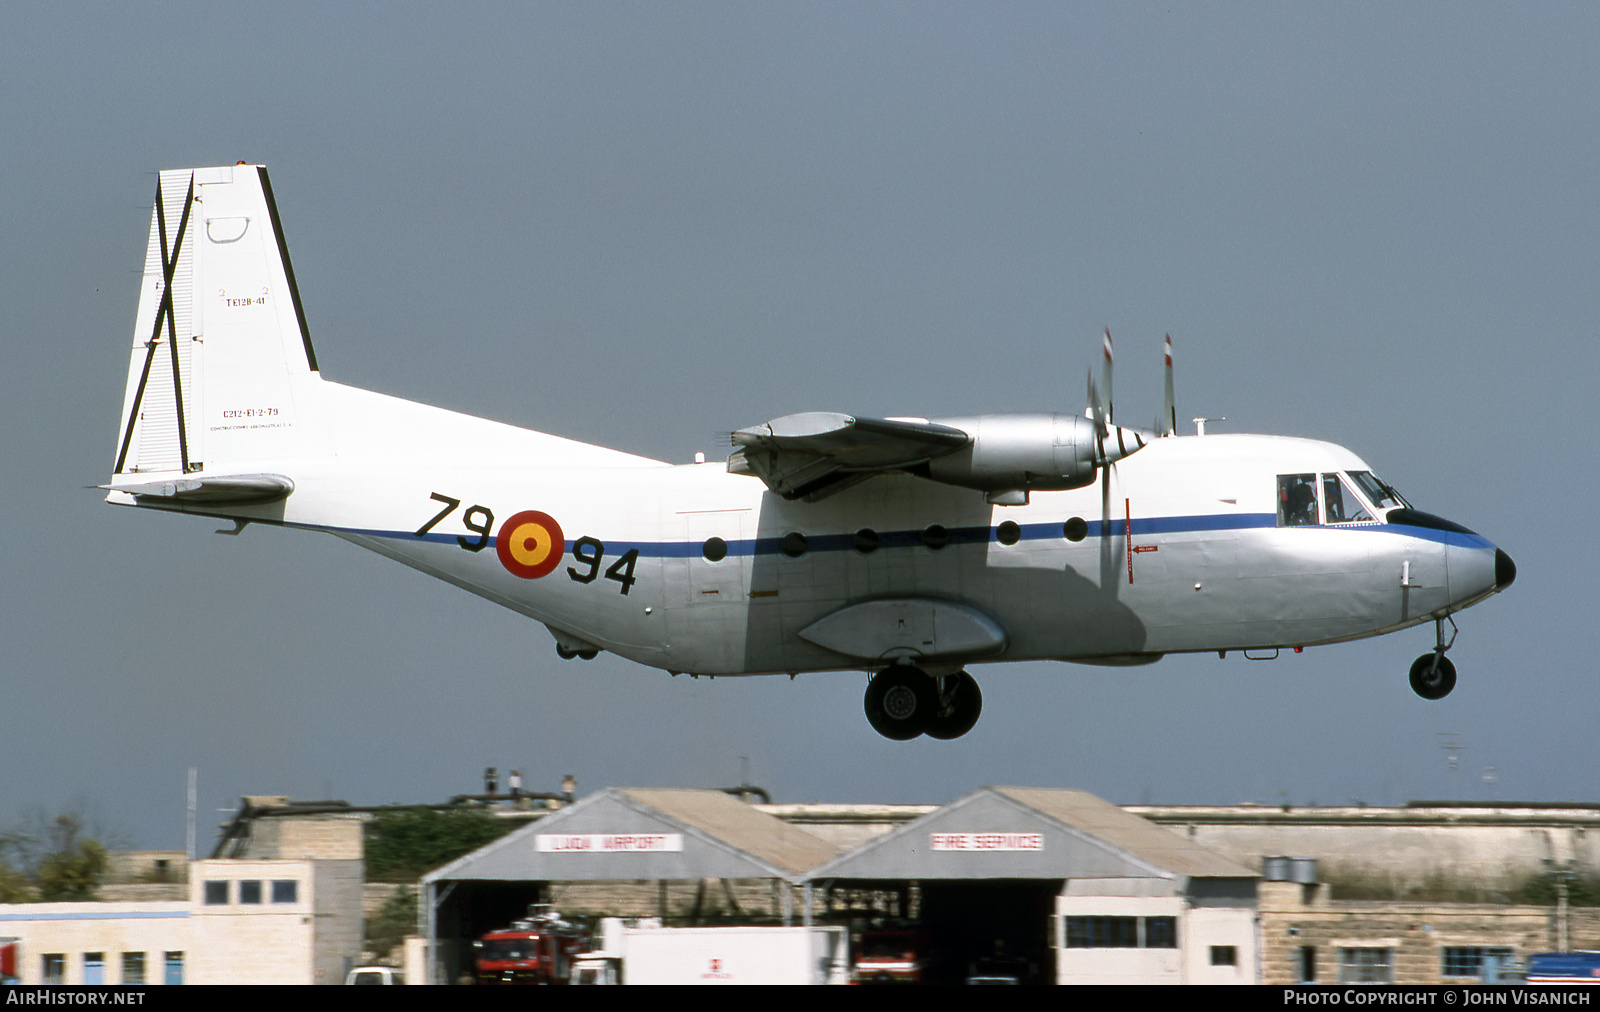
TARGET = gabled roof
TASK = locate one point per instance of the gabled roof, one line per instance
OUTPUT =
(738, 824)
(714, 836)
(1128, 832)
(1019, 832)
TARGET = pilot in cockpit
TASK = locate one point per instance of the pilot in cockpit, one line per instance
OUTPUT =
(1297, 500)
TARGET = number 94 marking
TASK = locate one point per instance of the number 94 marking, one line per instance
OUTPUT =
(586, 551)
(591, 551)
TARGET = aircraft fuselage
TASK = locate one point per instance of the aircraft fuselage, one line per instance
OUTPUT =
(907, 547)
(1211, 568)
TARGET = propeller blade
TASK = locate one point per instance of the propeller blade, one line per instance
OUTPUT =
(1097, 410)
(1110, 404)
(1169, 416)
(1097, 414)
(1112, 442)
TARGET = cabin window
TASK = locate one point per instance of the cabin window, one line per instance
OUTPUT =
(935, 536)
(715, 549)
(1342, 505)
(866, 541)
(1075, 529)
(1297, 500)
(1008, 533)
(794, 544)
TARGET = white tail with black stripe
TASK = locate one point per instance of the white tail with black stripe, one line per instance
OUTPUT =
(222, 377)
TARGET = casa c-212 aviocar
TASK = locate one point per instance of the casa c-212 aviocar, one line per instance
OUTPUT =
(907, 548)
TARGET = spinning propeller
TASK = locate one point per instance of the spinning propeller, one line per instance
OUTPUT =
(1111, 444)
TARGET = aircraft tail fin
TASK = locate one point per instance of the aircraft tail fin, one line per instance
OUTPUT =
(222, 377)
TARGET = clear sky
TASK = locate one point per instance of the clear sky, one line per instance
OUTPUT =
(648, 224)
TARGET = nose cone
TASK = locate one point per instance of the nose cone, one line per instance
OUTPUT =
(1474, 573)
(1505, 571)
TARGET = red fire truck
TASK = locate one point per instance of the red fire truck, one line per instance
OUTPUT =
(536, 950)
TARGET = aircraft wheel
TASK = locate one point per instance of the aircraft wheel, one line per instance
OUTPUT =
(565, 653)
(960, 703)
(1433, 676)
(900, 702)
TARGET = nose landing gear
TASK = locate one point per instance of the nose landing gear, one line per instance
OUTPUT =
(903, 702)
(1432, 674)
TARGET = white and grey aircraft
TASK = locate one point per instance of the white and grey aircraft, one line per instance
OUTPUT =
(907, 548)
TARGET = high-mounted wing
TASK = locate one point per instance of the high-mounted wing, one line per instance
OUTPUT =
(814, 454)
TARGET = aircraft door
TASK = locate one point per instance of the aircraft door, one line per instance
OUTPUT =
(705, 619)
(717, 555)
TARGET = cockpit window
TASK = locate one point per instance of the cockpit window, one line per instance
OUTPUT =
(1377, 491)
(1297, 500)
(1341, 504)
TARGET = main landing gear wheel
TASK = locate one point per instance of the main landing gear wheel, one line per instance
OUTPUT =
(960, 703)
(1433, 676)
(901, 701)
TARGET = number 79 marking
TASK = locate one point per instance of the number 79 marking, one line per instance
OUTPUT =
(478, 519)
(449, 504)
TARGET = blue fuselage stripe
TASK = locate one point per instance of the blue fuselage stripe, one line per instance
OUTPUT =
(1142, 526)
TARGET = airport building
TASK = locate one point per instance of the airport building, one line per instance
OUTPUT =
(1040, 885)
(243, 922)
(283, 908)
(1058, 886)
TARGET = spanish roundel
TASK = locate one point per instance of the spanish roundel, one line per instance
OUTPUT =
(530, 544)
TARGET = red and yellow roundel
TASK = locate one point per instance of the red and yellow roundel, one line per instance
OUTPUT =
(530, 544)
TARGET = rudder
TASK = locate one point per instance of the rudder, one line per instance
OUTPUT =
(222, 377)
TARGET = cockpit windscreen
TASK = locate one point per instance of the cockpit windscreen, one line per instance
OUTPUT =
(1379, 492)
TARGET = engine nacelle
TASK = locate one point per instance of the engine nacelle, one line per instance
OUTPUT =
(1030, 452)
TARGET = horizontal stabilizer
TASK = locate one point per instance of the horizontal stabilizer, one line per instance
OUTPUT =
(232, 489)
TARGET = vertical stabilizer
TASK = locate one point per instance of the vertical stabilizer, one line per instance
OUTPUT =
(222, 376)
